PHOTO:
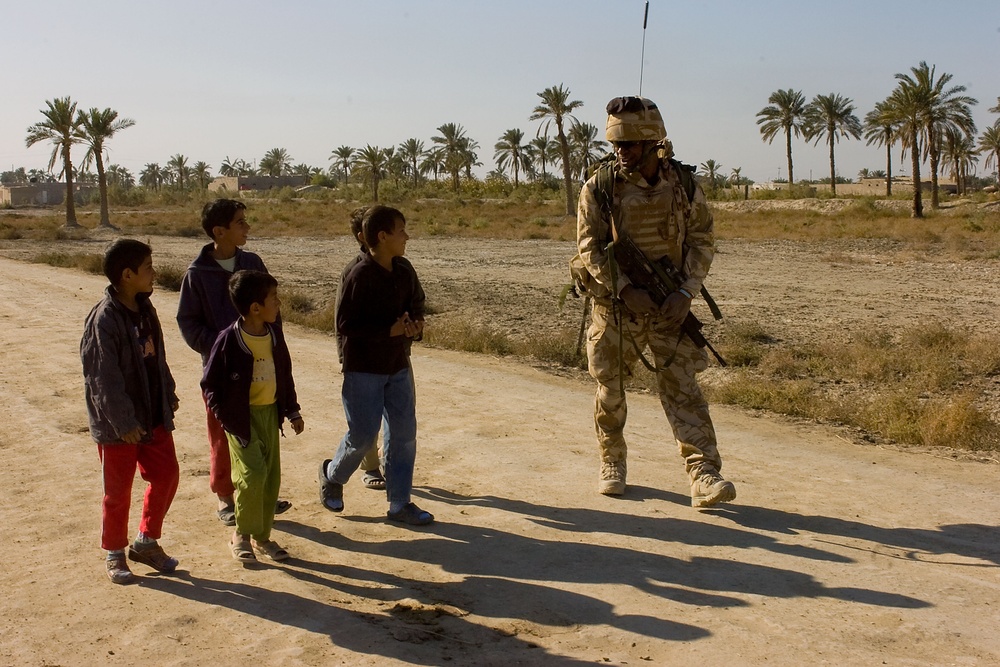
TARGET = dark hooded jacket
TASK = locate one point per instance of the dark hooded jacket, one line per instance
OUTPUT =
(114, 371)
(205, 308)
(229, 373)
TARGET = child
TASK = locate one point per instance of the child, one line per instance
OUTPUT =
(373, 316)
(249, 388)
(373, 478)
(130, 405)
(205, 309)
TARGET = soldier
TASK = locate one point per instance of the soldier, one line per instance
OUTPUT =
(666, 214)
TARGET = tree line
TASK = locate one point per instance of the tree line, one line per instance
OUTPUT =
(924, 114)
(574, 146)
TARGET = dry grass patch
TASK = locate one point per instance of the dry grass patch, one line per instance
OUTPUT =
(919, 386)
(89, 262)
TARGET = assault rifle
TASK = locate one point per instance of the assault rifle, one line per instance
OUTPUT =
(660, 279)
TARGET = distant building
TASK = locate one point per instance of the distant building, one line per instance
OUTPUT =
(41, 194)
(240, 183)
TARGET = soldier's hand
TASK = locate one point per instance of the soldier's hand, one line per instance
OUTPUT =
(638, 300)
(675, 309)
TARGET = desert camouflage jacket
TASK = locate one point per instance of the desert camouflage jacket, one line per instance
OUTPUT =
(660, 220)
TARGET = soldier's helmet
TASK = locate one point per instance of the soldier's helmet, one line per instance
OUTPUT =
(634, 119)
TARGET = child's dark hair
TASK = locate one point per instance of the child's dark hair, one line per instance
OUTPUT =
(357, 223)
(249, 287)
(380, 219)
(219, 213)
(124, 254)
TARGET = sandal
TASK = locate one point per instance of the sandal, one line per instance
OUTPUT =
(373, 479)
(227, 515)
(242, 551)
(282, 506)
(153, 556)
(118, 571)
(272, 550)
(412, 515)
(331, 494)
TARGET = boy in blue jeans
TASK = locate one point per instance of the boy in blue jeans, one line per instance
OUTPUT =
(373, 478)
(130, 405)
(249, 388)
(373, 317)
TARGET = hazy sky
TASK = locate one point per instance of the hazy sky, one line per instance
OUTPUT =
(211, 79)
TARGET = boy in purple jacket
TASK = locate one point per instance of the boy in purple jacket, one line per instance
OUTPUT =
(249, 388)
(205, 309)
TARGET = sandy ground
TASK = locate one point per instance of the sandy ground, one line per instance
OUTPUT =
(834, 553)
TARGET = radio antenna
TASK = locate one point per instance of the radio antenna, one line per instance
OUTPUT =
(642, 55)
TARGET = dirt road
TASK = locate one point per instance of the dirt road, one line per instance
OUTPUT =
(833, 553)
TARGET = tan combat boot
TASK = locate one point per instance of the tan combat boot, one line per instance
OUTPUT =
(709, 489)
(612, 481)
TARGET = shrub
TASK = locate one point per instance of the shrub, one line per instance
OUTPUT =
(169, 277)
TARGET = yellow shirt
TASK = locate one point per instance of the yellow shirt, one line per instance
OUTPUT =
(264, 385)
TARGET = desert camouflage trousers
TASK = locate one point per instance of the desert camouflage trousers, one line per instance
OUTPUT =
(680, 395)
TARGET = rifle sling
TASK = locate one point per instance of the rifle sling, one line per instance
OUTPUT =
(616, 304)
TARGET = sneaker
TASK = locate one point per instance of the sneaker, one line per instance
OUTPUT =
(709, 488)
(331, 494)
(118, 571)
(153, 556)
(612, 482)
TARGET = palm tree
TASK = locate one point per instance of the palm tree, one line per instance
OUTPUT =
(412, 152)
(735, 179)
(585, 147)
(152, 176)
(396, 165)
(433, 162)
(783, 114)
(905, 107)
(712, 168)
(989, 144)
(61, 127)
(942, 108)
(97, 127)
(40, 176)
(371, 163)
(202, 172)
(276, 162)
(960, 152)
(120, 177)
(303, 170)
(177, 168)
(454, 148)
(470, 158)
(343, 158)
(511, 151)
(880, 128)
(544, 151)
(556, 106)
(230, 167)
(830, 117)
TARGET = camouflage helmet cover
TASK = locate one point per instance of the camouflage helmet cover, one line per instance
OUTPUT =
(634, 119)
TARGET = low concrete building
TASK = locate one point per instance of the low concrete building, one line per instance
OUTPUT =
(240, 183)
(41, 194)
